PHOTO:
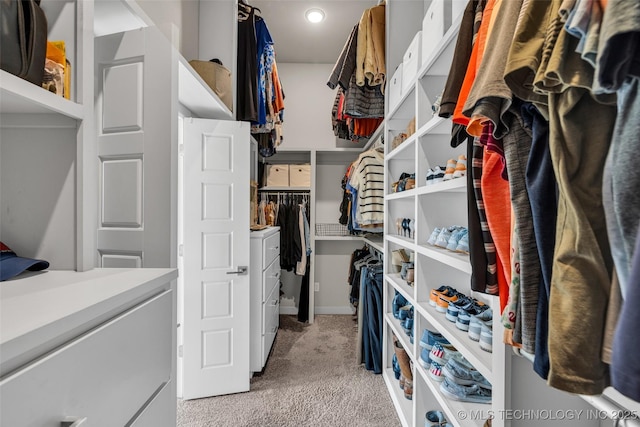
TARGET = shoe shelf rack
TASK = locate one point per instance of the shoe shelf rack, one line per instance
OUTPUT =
(441, 204)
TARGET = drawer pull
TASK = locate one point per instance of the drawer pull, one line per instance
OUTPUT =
(274, 303)
(274, 329)
(73, 422)
(275, 276)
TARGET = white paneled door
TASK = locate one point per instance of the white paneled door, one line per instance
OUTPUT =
(135, 150)
(215, 257)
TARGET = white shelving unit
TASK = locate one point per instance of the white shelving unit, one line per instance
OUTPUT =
(429, 206)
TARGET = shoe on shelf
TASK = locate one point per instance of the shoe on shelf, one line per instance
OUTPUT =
(430, 176)
(451, 168)
(438, 174)
(442, 304)
(434, 235)
(434, 419)
(461, 167)
(472, 393)
(442, 290)
(442, 353)
(452, 312)
(461, 372)
(395, 366)
(405, 312)
(486, 338)
(463, 244)
(476, 322)
(399, 301)
(424, 359)
(443, 238)
(435, 372)
(429, 338)
(463, 320)
(453, 241)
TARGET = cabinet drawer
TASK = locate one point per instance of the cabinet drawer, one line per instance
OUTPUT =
(159, 411)
(106, 375)
(271, 308)
(411, 62)
(270, 278)
(271, 249)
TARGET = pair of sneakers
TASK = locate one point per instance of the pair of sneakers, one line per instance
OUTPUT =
(435, 175)
(455, 168)
(454, 238)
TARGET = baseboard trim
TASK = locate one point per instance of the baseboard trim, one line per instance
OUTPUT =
(291, 311)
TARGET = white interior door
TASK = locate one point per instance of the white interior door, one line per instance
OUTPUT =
(216, 247)
(136, 140)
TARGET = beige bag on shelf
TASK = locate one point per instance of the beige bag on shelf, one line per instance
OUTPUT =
(217, 77)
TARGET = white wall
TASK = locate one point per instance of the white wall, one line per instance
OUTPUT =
(183, 14)
(308, 101)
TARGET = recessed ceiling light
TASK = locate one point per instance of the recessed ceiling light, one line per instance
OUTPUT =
(314, 15)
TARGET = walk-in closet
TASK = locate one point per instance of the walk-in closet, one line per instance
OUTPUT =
(376, 213)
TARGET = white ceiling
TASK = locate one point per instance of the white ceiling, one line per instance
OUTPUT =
(297, 40)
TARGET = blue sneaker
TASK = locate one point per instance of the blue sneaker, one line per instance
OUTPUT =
(461, 372)
(434, 418)
(463, 244)
(463, 320)
(398, 302)
(396, 366)
(434, 235)
(405, 312)
(425, 360)
(429, 338)
(452, 243)
(473, 393)
(452, 312)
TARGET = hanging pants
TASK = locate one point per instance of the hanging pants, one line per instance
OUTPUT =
(372, 319)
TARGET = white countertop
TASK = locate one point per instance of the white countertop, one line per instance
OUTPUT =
(41, 310)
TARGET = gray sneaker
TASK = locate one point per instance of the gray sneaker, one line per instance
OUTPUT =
(464, 374)
(473, 393)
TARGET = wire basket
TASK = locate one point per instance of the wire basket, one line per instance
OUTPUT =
(331, 230)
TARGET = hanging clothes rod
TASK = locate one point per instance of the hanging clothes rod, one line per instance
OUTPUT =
(284, 190)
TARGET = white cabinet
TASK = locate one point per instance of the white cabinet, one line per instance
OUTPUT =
(80, 345)
(265, 294)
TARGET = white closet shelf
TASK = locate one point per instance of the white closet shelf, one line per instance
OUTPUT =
(452, 407)
(284, 189)
(338, 238)
(404, 151)
(402, 241)
(195, 94)
(404, 109)
(20, 96)
(470, 349)
(437, 125)
(401, 286)
(404, 406)
(401, 195)
(453, 259)
(377, 242)
(394, 324)
(116, 16)
(457, 184)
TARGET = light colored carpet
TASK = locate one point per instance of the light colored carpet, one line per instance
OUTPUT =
(311, 379)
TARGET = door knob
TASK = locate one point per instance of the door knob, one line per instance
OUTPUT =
(242, 270)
